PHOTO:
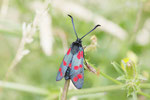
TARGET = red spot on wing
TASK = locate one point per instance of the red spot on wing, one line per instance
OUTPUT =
(79, 55)
(75, 79)
(70, 65)
(79, 76)
(80, 66)
(60, 69)
(76, 67)
(64, 63)
(69, 51)
(61, 74)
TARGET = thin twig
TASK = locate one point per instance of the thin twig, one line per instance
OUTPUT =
(65, 90)
(23, 88)
(45, 92)
(138, 18)
(95, 90)
(15, 60)
(137, 22)
(110, 78)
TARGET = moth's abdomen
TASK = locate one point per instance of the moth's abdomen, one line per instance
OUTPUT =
(67, 74)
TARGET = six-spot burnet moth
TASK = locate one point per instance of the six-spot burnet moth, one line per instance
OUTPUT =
(72, 64)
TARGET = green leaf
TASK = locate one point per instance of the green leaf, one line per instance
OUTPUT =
(121, 78)
(118, 68)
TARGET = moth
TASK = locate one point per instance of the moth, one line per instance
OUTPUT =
(72, 64)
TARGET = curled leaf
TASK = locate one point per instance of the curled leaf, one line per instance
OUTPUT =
(117, 67)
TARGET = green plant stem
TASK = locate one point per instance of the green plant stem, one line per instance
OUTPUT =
(137, 23)
(13, 34)
(134, 95)
(95, 90)
(9, 33)
(145, 85)
(40, 91)
(91, 96)
(144, 94)
(110, 78)
(45, 92)
(24, 88)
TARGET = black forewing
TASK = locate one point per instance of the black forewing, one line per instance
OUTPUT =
(77, 69)
(64, 65)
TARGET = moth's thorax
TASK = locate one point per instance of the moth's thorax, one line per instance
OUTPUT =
(75, 46)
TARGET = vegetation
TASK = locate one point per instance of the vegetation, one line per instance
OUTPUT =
(35, 35)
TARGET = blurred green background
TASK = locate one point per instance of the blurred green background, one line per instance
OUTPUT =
(125, 28)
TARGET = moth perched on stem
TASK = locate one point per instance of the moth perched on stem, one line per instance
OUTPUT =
(72, 64)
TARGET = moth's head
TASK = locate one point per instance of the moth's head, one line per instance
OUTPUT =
(79, 41)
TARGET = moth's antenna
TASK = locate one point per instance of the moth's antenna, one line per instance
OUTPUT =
(90, 31)
(73, 25)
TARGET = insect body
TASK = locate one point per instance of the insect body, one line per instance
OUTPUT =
(72, 64)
